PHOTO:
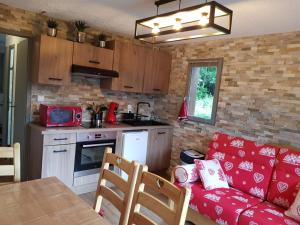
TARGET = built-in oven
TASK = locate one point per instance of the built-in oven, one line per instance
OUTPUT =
(90, 148)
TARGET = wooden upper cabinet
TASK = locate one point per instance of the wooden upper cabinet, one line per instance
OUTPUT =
(52, 60)
(141, 69)
(92, 56)
(157, 72)
(129, 61)
(131, 67)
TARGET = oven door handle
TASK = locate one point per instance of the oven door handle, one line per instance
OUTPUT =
(98, 145)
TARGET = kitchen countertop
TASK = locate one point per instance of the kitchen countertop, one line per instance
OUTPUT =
(107, 127)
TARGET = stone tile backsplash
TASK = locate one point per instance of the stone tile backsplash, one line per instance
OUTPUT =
(82, 92)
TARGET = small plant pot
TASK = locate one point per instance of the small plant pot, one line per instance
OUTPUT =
(52, 32)
(81, 37)
(102, 44)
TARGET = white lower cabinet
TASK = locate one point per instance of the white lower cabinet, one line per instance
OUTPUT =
(58, 161)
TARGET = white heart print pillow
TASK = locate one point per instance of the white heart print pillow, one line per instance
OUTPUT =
(211, 174)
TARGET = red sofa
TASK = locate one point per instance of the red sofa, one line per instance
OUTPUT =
(263, 180)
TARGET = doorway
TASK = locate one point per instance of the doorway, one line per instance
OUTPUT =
(14, 92)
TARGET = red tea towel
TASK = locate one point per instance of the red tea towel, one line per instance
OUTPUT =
(183, 111)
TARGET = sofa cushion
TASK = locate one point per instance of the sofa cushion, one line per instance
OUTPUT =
(223, 205)
(265, 213)
(186, 173)
(286, 178)
(247, 165)
(211, 174)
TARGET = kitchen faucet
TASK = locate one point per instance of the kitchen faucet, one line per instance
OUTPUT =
(137, 109)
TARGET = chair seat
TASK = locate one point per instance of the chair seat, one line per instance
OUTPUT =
(266, 213)
(219, 204)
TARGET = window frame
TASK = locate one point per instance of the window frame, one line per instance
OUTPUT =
(218, 62)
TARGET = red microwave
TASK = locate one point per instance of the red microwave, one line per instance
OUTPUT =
(60, 116)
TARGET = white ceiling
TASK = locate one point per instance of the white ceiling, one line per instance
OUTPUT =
(250, 17)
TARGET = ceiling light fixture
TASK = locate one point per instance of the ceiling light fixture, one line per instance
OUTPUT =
(177, 26)
(204, 20)
(155, 29)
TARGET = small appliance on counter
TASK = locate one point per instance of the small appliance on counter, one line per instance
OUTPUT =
(112, 113)
(60, 116)
(188, 156)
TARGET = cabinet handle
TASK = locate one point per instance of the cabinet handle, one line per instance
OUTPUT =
(94, 62)
(126, 86)
(156, 89)
(60, 139)
(161, 132)
(59, 151)
(56, 79)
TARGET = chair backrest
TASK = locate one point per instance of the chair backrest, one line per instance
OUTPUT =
(172, 213)
(8, 169)
(127, 187)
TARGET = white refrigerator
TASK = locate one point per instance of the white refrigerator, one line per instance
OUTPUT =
(135, 144)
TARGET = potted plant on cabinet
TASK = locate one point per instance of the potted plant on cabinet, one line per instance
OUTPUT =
(81, 26)
(52, 27)
(102, 40)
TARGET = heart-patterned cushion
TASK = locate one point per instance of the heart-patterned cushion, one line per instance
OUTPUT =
(186, 173)
(248, 166)
(265, 213)
(211, 174)
(286, 178)
(294, 210)
(222, 205)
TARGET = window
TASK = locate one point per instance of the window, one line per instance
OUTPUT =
(203, 90)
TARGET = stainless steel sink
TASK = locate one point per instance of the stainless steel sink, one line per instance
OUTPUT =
(139, 123)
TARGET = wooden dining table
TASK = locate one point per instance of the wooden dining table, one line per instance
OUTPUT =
(44, 202)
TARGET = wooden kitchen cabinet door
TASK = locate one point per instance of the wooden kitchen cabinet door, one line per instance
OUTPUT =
(52, 60)
(157, 72)
(92, 56)
(159, 151)
(131, 67)
(58, 161)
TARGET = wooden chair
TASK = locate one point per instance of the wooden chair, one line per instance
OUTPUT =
(173, 213)
(193, 216)
(123, 204)
(10, 170)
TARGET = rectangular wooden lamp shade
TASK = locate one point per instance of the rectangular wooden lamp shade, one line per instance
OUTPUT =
(204, 20)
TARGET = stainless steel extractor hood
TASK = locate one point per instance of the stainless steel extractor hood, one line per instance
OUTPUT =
(91, 72)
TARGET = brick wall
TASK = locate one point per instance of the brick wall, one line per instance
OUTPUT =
(259, 93)
(81, 92)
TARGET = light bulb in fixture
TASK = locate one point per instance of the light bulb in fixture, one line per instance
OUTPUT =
(156, 29)
(177, 25)
(204, 19)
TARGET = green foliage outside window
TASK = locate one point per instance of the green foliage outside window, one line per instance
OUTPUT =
(205, 91)
(206, 82)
